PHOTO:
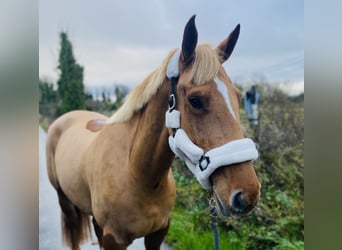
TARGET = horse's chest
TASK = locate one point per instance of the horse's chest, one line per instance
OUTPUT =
(139, 222)
(132, 213)
(148, 217)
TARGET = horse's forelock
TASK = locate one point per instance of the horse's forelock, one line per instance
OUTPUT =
(205, 66)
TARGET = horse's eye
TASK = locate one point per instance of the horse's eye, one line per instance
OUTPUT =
(196, 102)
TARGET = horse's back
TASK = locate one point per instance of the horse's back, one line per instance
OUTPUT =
(67, 140)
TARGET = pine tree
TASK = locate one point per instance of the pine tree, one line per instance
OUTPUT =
(70, 83)
(48, 100)
(47, 94)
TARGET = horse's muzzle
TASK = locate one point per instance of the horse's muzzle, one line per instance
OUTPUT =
(236, 189)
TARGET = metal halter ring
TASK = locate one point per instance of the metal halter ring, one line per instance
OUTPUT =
(172, 102)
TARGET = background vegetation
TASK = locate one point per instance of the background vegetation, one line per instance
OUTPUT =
(69, 93)
(278, 220)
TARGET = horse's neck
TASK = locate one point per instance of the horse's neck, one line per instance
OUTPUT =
(150, 155)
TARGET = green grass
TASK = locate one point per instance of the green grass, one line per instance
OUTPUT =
(277, 223)
(185, 235)
(44, 123)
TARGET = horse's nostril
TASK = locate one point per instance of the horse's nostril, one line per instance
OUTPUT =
(238, 203)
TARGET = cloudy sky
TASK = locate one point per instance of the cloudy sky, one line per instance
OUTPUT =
(122, 41)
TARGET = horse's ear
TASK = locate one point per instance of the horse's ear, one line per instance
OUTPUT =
(189, 42)
(226, 47)
(95, 125)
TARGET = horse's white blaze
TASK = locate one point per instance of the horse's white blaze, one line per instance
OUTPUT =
(221, 87)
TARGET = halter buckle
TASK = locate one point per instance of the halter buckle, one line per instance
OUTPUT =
(204, 162)
(172, 102)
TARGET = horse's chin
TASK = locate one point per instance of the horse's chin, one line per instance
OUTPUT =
(223, 211)
(222, 208)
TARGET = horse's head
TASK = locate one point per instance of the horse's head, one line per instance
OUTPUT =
(208, 104)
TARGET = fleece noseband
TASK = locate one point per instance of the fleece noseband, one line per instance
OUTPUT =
(201, 164)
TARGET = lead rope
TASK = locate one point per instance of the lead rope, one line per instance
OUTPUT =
(214, 222)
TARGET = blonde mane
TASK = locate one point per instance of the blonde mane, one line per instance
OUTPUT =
(205, 67)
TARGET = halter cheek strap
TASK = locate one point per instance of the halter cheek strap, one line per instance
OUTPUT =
(200, 164)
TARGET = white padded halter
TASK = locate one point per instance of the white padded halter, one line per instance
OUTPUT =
(172, 68)
(201, 164)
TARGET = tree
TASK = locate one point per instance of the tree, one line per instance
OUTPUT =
(70, 83)
(47, 93)
(48, 99)
(120, 93)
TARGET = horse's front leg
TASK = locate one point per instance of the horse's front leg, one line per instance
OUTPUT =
(154, 240)
(109, 243)
(98, 231)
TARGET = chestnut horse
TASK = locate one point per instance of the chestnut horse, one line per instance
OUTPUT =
(117, 169)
